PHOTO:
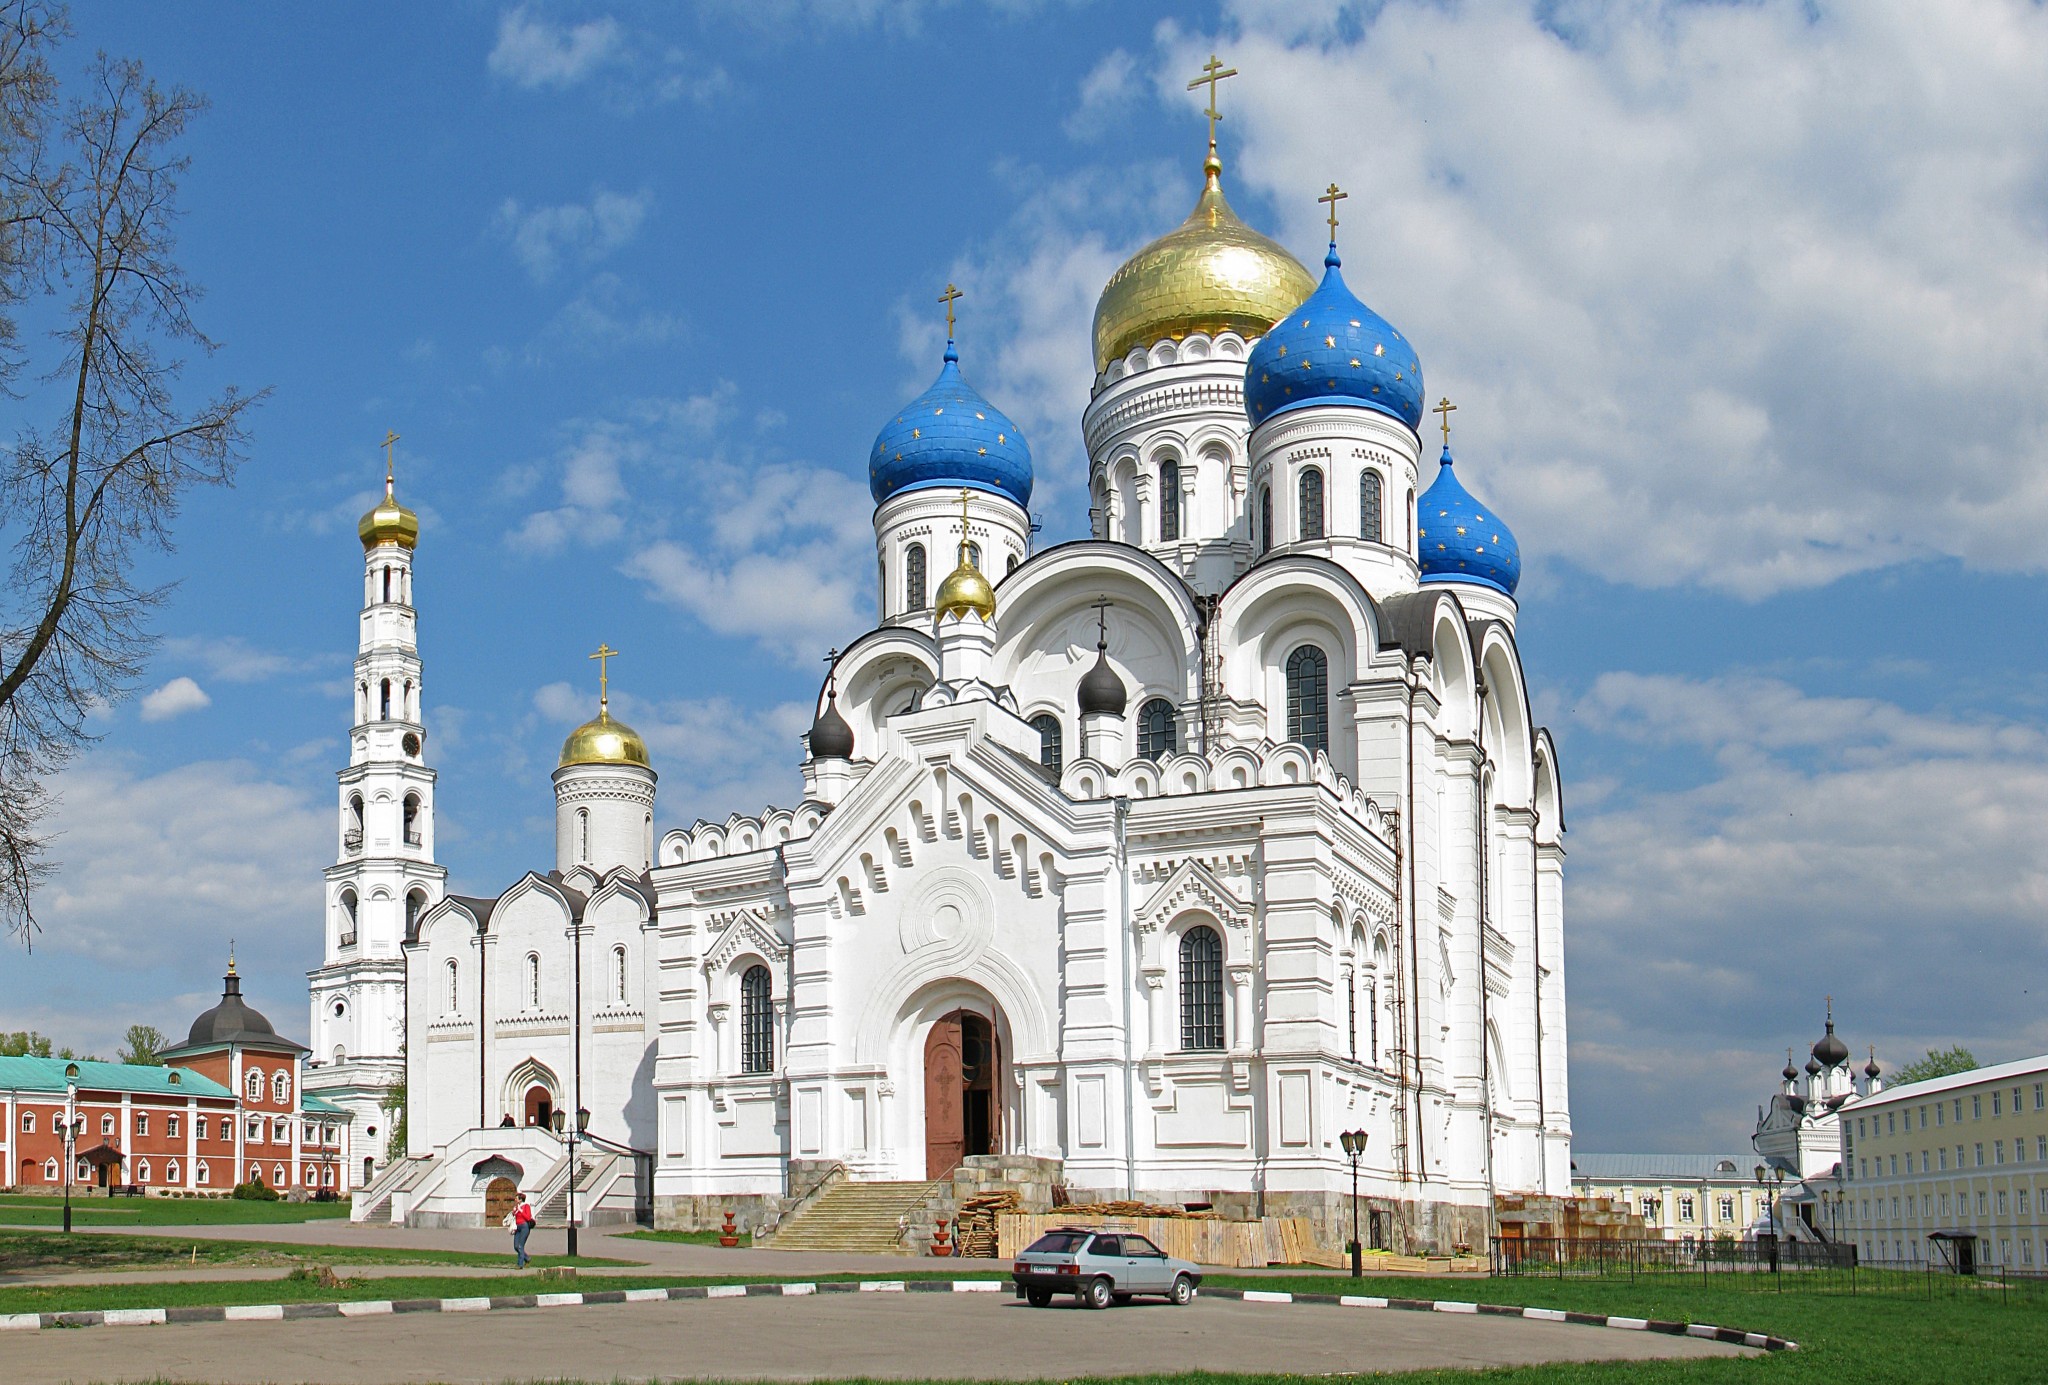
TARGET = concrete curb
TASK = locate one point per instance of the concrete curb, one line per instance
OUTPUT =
(363, 1308)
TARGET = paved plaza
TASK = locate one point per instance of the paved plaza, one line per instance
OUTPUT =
(891, 1336)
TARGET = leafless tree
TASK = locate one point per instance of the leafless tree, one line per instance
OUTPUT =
(103, 452)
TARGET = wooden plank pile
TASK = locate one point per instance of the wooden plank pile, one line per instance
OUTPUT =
(975, 1226)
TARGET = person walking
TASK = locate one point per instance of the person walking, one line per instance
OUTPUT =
(520, 1219)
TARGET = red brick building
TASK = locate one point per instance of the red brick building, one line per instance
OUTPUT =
(225, 1108)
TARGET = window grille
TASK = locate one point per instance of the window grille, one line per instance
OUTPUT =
(913, 578)
(1311, 504)
(1169, 501)
(1308, 701)
(757, 1032)
(1369, 507)
(1050, 753)
(1201, 990)
(1156, 735)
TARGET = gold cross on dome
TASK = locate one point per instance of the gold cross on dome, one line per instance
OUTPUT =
(1446, 408)
(1212, 73)
(1332, 198)
(963, 528)
(949, 298)
(604, 689)
(390, 466)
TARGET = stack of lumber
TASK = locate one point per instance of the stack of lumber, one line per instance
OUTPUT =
(1133, 1209)
(974, 1229)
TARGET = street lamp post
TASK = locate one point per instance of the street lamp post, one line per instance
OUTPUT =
(68, 1128)
(582, 1126)
(1354, 1148)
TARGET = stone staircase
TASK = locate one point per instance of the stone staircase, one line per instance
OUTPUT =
(855, 1217)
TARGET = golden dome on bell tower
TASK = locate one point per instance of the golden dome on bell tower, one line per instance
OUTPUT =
(388, 521)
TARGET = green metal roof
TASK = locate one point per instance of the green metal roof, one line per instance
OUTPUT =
(309, 1102)
(47, 1075)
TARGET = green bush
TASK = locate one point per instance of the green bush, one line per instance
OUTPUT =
(255, 1190)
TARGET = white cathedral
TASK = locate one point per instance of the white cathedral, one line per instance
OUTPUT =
(1165, 857)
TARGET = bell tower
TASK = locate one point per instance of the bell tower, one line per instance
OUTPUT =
(384, 876)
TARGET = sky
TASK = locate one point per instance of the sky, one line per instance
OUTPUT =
(1744, 307)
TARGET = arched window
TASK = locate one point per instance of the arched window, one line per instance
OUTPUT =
(619, 975)
(415, 905)
(171, 1171)
(28, 1122)
(355, 819)
(1265, 519)
(1169, 501)
(340, 1054)
(1049, 750)
(1351, 1014)
(1408, 520)
(387, 583)
(1372, 1020)
(253, 1084)
(277, 1175)
(142, 1171)
(452, 970)
(974, 556)
(386, 703)
(50, 1171)
(1156, 738)
(409, 708)
(1201, 990)
(757, 1022)
(205, 1174)
(1369, 506)
(913, 578)
(281, 1088)
(348, 918)
(582, 834)
(1311, 504)
(1010, 566)
(412, 819)
(533, 981)
(1308, 698)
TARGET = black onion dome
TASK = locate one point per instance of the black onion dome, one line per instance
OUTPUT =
(1870, 1069)
(831, 737)
(231, 1021)
(1791, 1073)
(1831, 1051)
(1813, 1067)
(1101, 690)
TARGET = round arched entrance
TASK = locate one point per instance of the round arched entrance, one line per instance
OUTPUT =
(963, 1061)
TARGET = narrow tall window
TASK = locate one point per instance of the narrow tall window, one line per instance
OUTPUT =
(533, 981)
(913, 578)
(1049, 755)
(1351, 1015)
(1169, 501)
(1311, 504)
(385, 715)
(387, 584)
(1372, 1020)
(415, 905)
(1156, 738)
(281, 1088)
(1265, 519)
(757, 1027)
(1201, 990)
(1308, 701)
(974, 556)
(454, 973)
(619, 975)
(582, 834)
(412, 819)
(1369, 507)
(1010, 566)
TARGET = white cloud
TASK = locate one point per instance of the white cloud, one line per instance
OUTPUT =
(536, 52)
(232, 659)
(1111, 88)
(543, 237)
(1824, 844)
(1739, 295)
(174, 699)
(714, 757)
(603, 317)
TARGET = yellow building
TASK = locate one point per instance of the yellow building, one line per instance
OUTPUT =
(1951, 1170)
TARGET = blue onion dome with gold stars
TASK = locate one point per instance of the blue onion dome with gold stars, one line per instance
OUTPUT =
(1460, 540)
(1332, 349)
(950, 436)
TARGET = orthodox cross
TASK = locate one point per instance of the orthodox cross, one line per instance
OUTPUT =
(1333, 197)
(949, 298)
(390, 467)
(231, 963)
(1446, 408)
(1212, 73)
(832, 678)
(1102, 606)
(604, 689)
(963, 527)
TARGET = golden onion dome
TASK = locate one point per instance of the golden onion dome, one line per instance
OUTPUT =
(603, 741)
(389, 522)
(1211, 274)
(964, 590)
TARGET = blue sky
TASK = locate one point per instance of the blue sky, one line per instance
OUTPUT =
(1743, 307)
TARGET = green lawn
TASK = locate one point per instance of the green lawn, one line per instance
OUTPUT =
(21, 1209)
(46, 1252)
(687, 1238)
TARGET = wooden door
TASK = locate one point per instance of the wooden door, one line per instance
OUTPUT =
(499, 1198)
(945, 1132)
(540, 1108)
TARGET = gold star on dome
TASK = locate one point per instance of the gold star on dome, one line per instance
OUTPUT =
(1329, 341)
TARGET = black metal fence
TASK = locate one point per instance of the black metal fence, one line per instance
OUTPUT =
(1761, 1266)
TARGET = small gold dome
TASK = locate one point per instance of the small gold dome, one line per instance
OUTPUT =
(389, 522)
(1211, 274)
(964, 590)
(603, 741)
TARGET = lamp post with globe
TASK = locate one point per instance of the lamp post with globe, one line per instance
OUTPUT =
(1354, 1149)
(69, 1127)
(574, 1135)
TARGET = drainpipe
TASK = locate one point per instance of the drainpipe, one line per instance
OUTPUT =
(1123, 876)
(1484, 859)
(483, 1117)
(1536, 943)
(1414, 932)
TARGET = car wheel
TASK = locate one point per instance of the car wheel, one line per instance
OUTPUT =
(1183, 1292)
(1097, 1294)
(1038, 1298)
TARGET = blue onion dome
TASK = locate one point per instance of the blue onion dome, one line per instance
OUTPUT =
(1461, 540)
(1333, 350)
(950, 436)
